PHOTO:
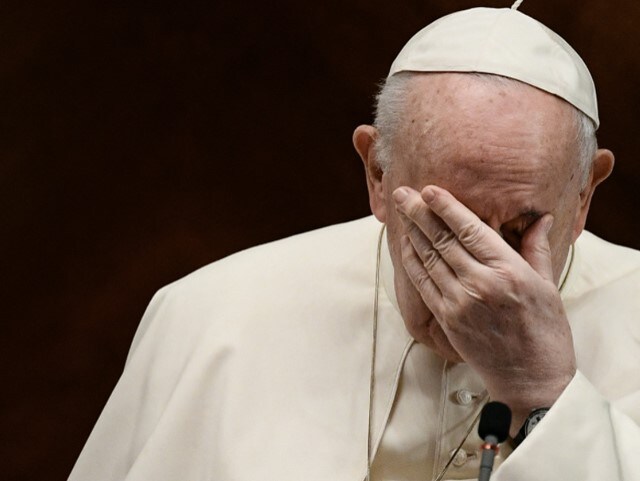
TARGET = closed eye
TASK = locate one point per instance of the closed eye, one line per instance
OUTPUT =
(513, 230)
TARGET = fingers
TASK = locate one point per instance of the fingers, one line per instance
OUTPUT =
(450, 254)
(478, 239)
(419, 276)
(534, 247)
(434, 242)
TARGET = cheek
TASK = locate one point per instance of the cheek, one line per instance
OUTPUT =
(560, 238)
(566, 219)
(395, 231)
(564, 199)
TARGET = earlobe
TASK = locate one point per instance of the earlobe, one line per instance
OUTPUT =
(364, 138)
(600, 169)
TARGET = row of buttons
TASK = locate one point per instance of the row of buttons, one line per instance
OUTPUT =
(464, 397)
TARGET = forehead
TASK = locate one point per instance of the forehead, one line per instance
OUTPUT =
(479, 136)
(466, 122)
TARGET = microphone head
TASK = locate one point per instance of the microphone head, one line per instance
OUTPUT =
(495, 420)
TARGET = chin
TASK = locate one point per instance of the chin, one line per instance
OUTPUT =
(427, 331)
(448, 353)
(421, 323)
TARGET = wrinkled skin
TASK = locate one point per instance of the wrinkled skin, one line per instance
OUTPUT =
(482, 201)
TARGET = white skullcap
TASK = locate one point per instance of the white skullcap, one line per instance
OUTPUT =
(505, 42)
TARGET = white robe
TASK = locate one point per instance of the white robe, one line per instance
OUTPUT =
(257, 367)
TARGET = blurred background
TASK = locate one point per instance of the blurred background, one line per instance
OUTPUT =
(140, 140)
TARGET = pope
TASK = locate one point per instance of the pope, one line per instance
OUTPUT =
(366, 350)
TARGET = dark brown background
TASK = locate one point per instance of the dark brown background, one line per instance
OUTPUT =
(141, 140)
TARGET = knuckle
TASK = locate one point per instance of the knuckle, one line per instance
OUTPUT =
(414, 210)
(466, 303)
(430, 258)
(443, 239)
(519, 283)
(417, 274)
(511, 275)
(471, 233)
(475, 293)
(422, 283)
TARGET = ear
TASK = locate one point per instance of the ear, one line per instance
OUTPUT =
(600, 169)
(364, 138)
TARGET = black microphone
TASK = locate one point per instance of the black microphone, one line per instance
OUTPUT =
(495, 421)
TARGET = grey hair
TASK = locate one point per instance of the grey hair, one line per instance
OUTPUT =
(390, 107)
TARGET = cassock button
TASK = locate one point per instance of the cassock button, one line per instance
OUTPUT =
(465, 397)
(460, 458)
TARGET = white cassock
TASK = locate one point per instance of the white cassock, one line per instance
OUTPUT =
(257, 367)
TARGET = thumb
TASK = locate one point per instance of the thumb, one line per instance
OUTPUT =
(534, 247)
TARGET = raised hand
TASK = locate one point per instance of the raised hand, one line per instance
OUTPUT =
(499, 308)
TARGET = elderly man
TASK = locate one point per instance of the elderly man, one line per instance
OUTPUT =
(367, 350)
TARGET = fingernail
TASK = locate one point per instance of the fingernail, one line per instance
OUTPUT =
(400, 195)
(428, 195)
(549, 225)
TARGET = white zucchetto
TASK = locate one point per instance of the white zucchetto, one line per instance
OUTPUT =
(505, 42)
